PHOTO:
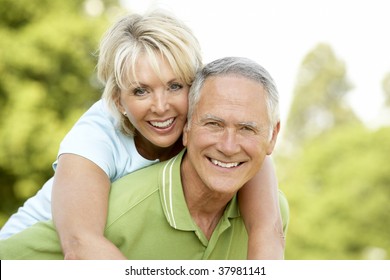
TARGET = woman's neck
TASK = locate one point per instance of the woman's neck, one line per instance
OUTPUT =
(152, 152)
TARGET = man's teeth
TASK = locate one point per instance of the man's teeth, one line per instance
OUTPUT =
(223, 164)
(165, 124)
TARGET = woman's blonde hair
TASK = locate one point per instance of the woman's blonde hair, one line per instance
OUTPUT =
(155, 34)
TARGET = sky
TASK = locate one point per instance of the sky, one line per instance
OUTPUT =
(279, 33)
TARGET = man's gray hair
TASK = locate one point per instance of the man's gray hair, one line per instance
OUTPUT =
(237, 66)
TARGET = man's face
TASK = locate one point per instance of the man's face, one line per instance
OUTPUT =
(228, 137)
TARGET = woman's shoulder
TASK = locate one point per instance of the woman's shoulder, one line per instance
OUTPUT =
(99, 111)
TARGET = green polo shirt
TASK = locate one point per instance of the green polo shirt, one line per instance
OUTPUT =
(147, 219)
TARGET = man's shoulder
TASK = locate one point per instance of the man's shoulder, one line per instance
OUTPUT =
(134, 195)
(142, 181)
(135, 190)
(146, 175)
(137, 186)
(149, 175)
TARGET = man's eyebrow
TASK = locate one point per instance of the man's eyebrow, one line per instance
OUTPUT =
(252, 124)
(208, 117)
(249, 124)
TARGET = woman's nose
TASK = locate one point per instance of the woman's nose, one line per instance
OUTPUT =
(160, 103)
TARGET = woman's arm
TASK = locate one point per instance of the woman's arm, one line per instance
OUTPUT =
(79, 208)
(259, 205)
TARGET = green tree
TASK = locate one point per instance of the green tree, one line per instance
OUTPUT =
(338, 192)
(337, 179)
(47, 80)
(386, 89)
(319, 97)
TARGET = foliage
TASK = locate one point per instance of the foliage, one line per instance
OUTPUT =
(334, 171)
(339, 191)
(47, 80)
(386, 88)
(318, 101)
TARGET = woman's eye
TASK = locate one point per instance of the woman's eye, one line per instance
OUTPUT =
(175, 86)
(139, 91)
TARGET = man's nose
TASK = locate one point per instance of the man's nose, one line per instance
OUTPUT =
(228, 143)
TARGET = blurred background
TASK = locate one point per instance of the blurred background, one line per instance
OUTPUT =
(330, 59)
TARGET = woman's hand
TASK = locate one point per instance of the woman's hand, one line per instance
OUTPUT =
(259, 205)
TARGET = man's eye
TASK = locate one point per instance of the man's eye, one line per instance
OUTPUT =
(248, 129)
(213, 124)
(175, 86)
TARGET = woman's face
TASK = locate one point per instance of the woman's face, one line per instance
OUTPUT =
(156, 105)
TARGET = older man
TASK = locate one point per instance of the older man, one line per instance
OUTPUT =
(186, 208)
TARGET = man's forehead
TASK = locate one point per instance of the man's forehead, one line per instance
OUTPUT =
(222, 85)
(232, 81)
(232, 95)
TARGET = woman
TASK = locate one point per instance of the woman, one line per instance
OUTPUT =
(147, 64)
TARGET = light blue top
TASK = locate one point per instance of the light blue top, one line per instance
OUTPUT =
(95, 136)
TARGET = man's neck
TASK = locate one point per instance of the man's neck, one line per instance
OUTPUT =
(206, 207)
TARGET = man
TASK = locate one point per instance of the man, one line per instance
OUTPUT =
(186, 208)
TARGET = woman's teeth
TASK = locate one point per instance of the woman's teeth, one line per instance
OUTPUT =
(164, 124)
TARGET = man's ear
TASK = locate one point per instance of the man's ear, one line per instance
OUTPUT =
(185, 134)
(272, 142)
